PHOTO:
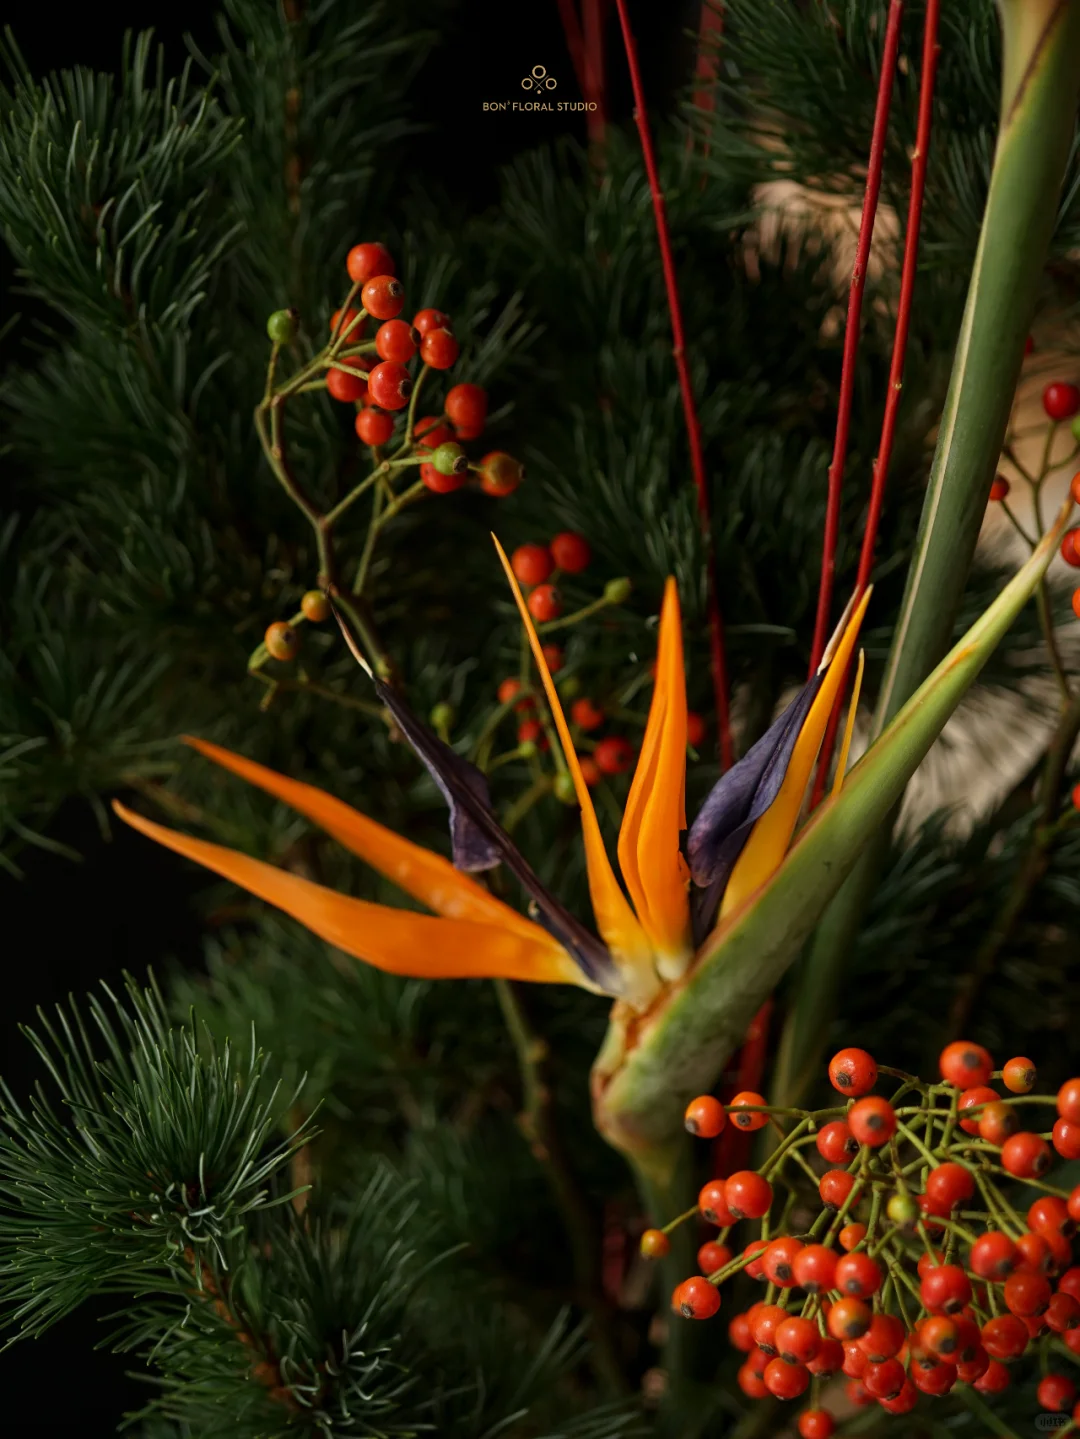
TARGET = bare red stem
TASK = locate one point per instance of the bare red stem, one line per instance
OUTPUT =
(707, 64)
(900, 337)
(693, 424)
(594, 15)
(851, 334)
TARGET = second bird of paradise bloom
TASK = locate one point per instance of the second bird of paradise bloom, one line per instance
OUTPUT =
(676, 886)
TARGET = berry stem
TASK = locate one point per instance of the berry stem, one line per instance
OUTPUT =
(693, 424)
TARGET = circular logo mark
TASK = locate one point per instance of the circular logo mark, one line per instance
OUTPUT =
(539, 79)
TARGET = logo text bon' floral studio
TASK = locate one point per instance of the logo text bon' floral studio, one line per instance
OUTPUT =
(538, 85)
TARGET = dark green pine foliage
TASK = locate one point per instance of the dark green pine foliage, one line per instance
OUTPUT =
(157, 220)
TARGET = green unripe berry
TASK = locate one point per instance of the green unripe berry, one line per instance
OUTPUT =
(569, 687)
(450, 459)
(1075, 427)
(617, 591)
(564, 788)
(527, 748)
(282, 326)
(902, 1209)
(442, 716)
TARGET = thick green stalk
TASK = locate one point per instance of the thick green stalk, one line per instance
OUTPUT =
(1040, 85)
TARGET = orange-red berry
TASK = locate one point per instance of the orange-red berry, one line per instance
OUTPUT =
(590, 770)
(945, 1289)
(997, 1122)
(438, 483)
(1025, 1156)
(1068, 1101)
(383, 296)
(744, 1120)
(1005, 1337)
(712, 1204)
(586, 715)
(281, 641)
(571, 552)
(430, 432)
(545, 603)
(950, 1184)
(851, 1236)
(816, 1424)
(374, 427)
(500, 474)
(439, 349)
(367, 260)
(705, 1116)
(352, 326)
(994, 1256)
(872, 1120)
(965, 1064)
(834, 1187)
(1056, 1392)
(315, 606)
(712, 1257)
(858, 1274)
(390, 385)
(853, 1072)
(836, 1143)
(999, 489)
(849, 1318)
(1050, 1215)
(424, 321)
(340, 385)
(695, 1298)
(1018, 1075)
(778, 1261)
(696, 730)
(466, 408)
(396, 340)
(979, 1094)
(1027, 1292)
(748, 1195)
(1068, 547)
(613, 755)
(655, 1244)
(784, 1380)
(1066, 1134)
(531, 564)
(814, 1268)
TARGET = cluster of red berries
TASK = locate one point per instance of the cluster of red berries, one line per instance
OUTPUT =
(918, 1273)
(535, 565)
(282, 640)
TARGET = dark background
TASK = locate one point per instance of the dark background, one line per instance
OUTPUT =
(127, 906)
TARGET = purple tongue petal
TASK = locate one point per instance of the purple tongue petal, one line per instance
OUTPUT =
(738, 799)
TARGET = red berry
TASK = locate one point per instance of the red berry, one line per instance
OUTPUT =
(1005, 1337)
(994, 1379)
(1060, 400)
(748, 1195)
(655, 1244)
(973, 1368)
(613, 755)
(928, 1261)
(364, 261)
(764, 1320)
(883, 1339)
(1068, 1101)
(745, 1121)
(738, 1331)
(500, 474)
(858, 1274)
(852, 1072)
(978, 1095)
(939, 1336)
(712, 1257)
(1050, 1215)
(430, 433)
(949, 1185)
(815, 1268)
(965, 1064)
(439, 349)
(836, 1143)
(994, 1256)
(695, 1298)
(816, 1424)
(1076, 612)
(1027, 1292)
(345, 387)
(834, 1187)
(856, 1394)
(797, 1339)
(938, 1379)
(281, 641)
(1056, 1392)
(553, 657)
(395, 340)
(849, 1318)
(997, 1122)
(590, 771)
(424, 321)
(778, 1262)
(828, 1360)
(1067, 1134)
(352, 326)
(751, 1383)
(588, 716)
(945, 1289)
(903, 1403)
(1062, 1313)
(999, 489)
(855, 1359)
(696, 730)
(884, 1380)
(712, 1203)
(571, 551)
(1025, 1156)
(383, 297)
(784, 1380)
(1018, 1075)
(1074, 487)
(705, 1116)
(390, 386)
(545, 603)
(872, 1120)
(753, 1268)
(466, 408)
(530, 732)
(374, 427)
(438, 483)
(1068, 547)
(531, 564)
(851, 1236)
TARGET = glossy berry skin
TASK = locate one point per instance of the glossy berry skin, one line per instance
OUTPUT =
(396, 340)
(315, 607)
(440, 484)
(815, 1268)
(1005, 1337)
(748, 1122)
(430, 432)
(999, 489)
(383, 296)
(1050, 1215)
(857, 1395)
(1027, 1292)
(753, 1268)
(828, 1360)
(965, 1064)
(613, 755)
(590, 771)
(450, 459)
(751, 1384)
(784, 1380)
(466, 408)
(345, 387)
(281, 641)
(712, 1204)
(994, 1256)
(695, 1298)
(1018, 1075)
(351, 324)
(588, 716)
(778, 1262)
(850, 1236)
(1074, 487)
(853, 1072)
(531, 564)
(571, 551)
(764, 1320)
(928, 1261)
(1060, 400)
(903, 1403)
(945, 1289)
(950, 1184)
(748, 1195)
(367, 260)
(390, 386)
(1076, 611)
(902, 1209)
(1062, 1313)
(884, 1338)
(696, 730)
(554, 657)
(1034, 1250)
(997, 1122)
(939, 1336)
(374, 427)
(1068, 1101)
(545, 603)
(1056, 1392)
(424, 321)
(849, 1318)
(974, 1368)
(705, 1116)
(439, 349)
(872, 1121)
(712, 1257)
(797, 1340)
(836, 1143)
(1025, 1156)
(855, 1359)
(738, 1333)
(530, 732)
(816, 1424)
(834, 1186)
(978, 1094)
(884, 1380)
(994, 1379)
(858, 1274)
(1067, 1135)
(500, 474)
(281, 326)
(655, 1244)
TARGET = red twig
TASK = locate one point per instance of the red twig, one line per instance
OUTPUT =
(594, 15)
(707, 65)
(575, 41)
(896, 368)
(693, 425)
(851, 334)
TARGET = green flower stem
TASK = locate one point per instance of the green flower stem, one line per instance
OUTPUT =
(1041, 81)
(410, 420)
(565, 621)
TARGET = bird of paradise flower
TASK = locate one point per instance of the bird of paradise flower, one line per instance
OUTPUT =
(675, 885)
